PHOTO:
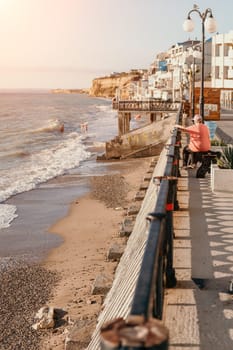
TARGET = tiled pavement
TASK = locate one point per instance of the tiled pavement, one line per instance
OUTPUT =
(199, 310)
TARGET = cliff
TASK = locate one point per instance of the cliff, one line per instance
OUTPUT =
(107, 86)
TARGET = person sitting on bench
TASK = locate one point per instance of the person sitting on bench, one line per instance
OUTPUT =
(199, 140)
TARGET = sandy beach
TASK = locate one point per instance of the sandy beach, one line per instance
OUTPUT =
(89, 229)
(65, 277)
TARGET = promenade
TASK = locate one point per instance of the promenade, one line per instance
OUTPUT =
(199, 310)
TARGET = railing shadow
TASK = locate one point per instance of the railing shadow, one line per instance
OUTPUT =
(211, 230)
(199, 311)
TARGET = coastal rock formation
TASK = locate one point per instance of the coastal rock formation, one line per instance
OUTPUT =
(107, 86)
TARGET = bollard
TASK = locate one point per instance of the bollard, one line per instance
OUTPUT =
(134, 333)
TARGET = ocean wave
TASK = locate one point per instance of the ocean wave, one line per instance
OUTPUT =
(42, 166)
(52, 125)
(7, 215)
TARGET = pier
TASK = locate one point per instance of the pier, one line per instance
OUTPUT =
(156, 110)
(149, 138)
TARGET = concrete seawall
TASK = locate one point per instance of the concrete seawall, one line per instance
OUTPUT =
(202, 261)
(118, 300)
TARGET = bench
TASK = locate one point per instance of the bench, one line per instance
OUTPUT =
(205, 158)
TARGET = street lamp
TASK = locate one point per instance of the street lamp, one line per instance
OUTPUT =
(208, 23)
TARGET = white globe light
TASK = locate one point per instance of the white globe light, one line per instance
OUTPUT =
(197, 54)
(210, 25)
(188, 25)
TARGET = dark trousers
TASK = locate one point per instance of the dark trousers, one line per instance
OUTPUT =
(187, 156)
(191, 157)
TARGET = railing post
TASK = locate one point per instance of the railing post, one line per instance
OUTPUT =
(170, 271)
(176, 173)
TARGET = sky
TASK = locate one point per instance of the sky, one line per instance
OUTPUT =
(67, 43)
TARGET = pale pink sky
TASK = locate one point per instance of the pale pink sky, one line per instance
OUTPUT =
(67, 43)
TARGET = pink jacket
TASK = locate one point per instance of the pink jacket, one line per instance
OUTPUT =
(199, 137)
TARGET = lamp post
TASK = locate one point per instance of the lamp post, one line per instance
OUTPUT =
(208, 23)
(193, 70)
(195, 55)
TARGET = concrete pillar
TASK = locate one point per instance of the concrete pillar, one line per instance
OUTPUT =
(120, 124)
(127, 122)
(123, 122)
(152, 117)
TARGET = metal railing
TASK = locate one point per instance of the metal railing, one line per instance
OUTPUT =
(156, 272)
(145, 106)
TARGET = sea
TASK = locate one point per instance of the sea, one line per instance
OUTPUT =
(42, 139)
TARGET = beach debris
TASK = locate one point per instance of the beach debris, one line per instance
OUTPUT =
(140, 196)
(115, 252)
(44, 318)
(80, 334)
(49, 317)
(147, 177)
(134, 209)
(102, 284)
(144, 185)
(127, 227)
(118, 208)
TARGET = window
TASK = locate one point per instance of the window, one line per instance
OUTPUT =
(230, 73)
(226, 50)
(225, 72)
(217, 50)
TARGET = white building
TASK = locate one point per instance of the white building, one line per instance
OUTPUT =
(222, 67)
(222, 61)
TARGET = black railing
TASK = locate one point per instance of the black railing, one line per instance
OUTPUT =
(145, 106)
(156, 272)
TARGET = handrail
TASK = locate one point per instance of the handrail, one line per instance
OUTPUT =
(156, 272)
(150, 264)
(146, 106)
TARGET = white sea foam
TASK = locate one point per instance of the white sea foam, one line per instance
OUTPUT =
(39, 168)
(98, 144)
(33, 151)
(103, 108)
(42, 166)
(7, 214)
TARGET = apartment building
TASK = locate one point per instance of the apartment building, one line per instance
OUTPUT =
(222, 67)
